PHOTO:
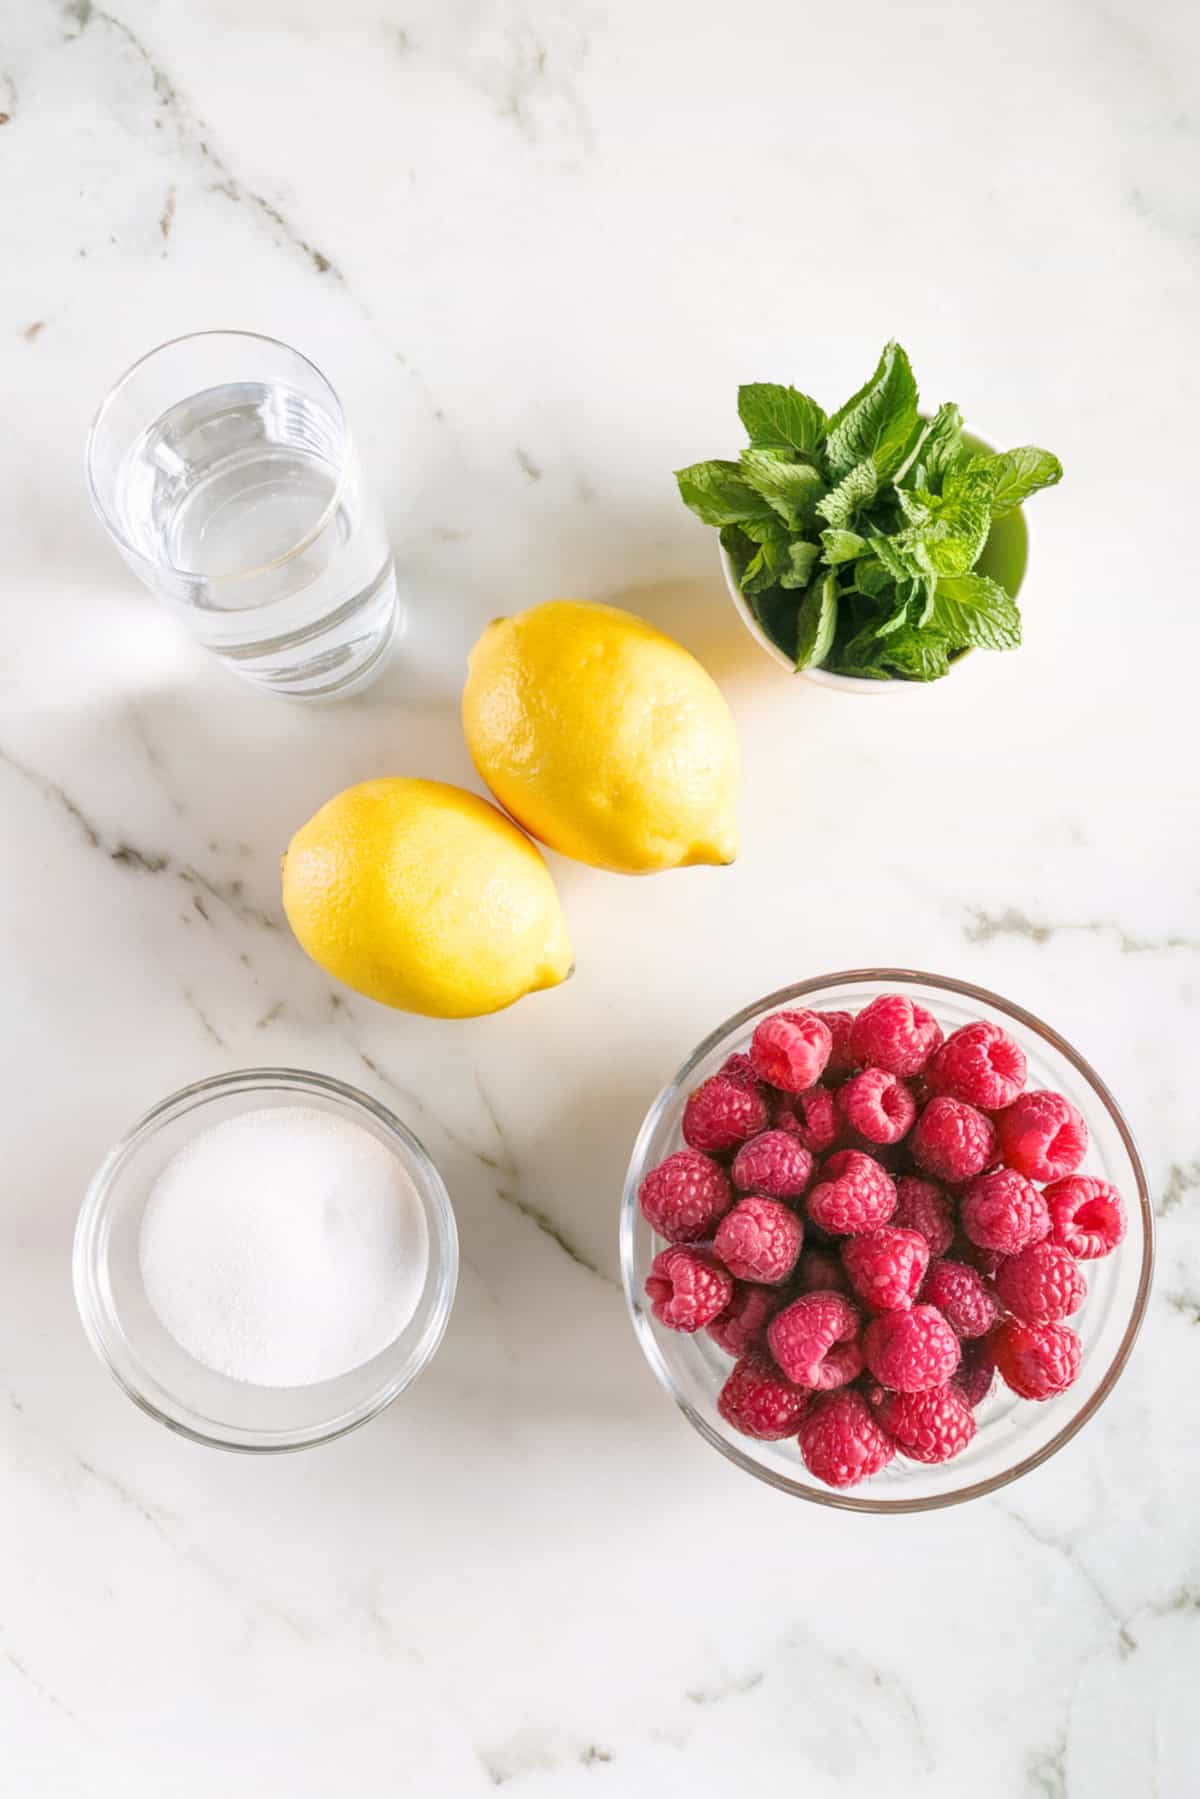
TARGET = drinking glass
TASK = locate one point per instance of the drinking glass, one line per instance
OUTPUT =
(222, 466)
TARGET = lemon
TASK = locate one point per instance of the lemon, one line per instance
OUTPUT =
(604, 738)
(425, 897)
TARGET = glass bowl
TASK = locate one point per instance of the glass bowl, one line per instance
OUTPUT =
(1013, 1435)
(159, 1375)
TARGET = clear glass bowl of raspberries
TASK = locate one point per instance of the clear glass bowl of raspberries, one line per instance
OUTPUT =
(886, 1240)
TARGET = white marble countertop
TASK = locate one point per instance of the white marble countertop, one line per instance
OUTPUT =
(536, 246)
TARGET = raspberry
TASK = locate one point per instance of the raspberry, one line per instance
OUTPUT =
(810, 1117)
(1003, 1212)
(1086, 1215)
(1042, 1285)
(854, 1194)
(790, 1049)
(775, 1163)
(976, 1372)
(886, 1266)
(911, 1350)
(740, 1070)
(928, 1427)
(1042, 1136)
(896, 1034)
(986, 1261)
(981, 1064)
(813, 1340)
(759, 1402)
(759, 1240)
(1037, 1360)
(683, 1197)
(687, 1288)
(820, 1269)
(841, 1024)
(840, 1442)
(720, 1114)
(877, 1105)
(963, 1297)
(952, 1141)
(922, 1206)
(744, 1321)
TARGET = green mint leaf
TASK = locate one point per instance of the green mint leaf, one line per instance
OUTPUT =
(895, 621)
(800, 563)
(950, 540)
(872, 578)
(860, 655)
(779, 418)
(942, 449)
(915, 505)
(842, 546)
(718, 493)
(887, 551)
(878, 422)
(973, 609)
(762, 571)
(738, 547)
(817, 622)
(855, 489)
(919, 655)
(790, 488)
(1018, 473)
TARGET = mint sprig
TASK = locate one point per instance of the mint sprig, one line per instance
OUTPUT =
(855, 536)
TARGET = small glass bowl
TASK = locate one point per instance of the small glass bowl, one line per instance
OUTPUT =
(1013, 1435)
(159, 1375)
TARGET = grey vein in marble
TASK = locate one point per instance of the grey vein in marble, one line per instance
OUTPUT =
(1186, 1304)
(986, 926)
(193, 136)
(21, 1668)
(512, 1196)
(526, 464)
(1183, 1179)
(1046, 1770)
(731, 1688)
(1126, 1643)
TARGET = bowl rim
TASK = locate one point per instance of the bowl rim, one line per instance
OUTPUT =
(844, 1501)
(95, 1314)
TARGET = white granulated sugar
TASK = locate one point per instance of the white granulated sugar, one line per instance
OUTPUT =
(284, 1247)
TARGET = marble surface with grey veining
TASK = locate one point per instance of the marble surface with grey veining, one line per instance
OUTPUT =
(536, 245)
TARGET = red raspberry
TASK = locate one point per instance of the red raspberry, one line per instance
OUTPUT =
(820, 1269)
(840, 1442)
(928, 1427)
(1003, 1212)
(841, 1024)
(1086, 1215)
(810, 1117)
(911, 1350)
(893, 1032)
(981, 1064)
(922, 1206)
(854, 1194)
(963, 1297)
(775, 1163)
(1042, 1285)
(886, 1266)
(1042, 1136)
(740, 1070)
(744, 1321)
(1037, 1361)
(683, 1197)
(952, 1141)
(757, 1401)
(877, 1105)
(814, 1340)
(759, 1240)
(720, 1114)
(976, 1372)
(790, 1049)
(687, 1288)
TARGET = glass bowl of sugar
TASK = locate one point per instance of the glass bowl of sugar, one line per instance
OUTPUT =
(266, 1260)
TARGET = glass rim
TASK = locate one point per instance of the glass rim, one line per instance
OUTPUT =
(118, 387)
(658, 1362)
(95, 1313)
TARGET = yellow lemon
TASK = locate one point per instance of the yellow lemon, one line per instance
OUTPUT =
(604, 738)
(425, 897)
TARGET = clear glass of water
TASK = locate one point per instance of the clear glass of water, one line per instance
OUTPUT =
(222, 466)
